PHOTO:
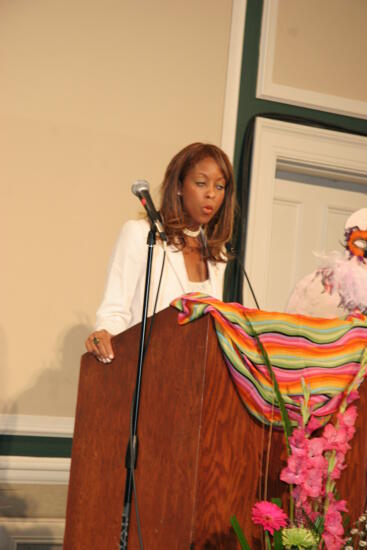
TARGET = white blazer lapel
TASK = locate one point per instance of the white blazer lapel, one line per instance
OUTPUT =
(177, 263)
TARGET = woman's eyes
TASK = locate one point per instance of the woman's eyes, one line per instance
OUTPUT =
(219, 186)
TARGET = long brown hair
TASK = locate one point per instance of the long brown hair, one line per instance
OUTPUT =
(219, 230)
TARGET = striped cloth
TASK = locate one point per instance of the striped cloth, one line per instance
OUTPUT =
(326, 353)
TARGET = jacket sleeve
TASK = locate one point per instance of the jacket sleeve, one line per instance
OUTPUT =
(126, 267)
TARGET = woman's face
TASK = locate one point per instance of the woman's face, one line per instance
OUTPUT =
(203, 190)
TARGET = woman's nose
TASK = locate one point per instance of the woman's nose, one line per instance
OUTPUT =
(210, 191)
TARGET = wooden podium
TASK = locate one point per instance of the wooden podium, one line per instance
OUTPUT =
(200, 453)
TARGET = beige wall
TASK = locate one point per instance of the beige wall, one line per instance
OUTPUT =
(92, 96)
(321, 47)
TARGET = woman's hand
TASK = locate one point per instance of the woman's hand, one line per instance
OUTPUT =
(99, 343)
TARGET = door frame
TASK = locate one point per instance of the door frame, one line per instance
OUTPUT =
(298, 148)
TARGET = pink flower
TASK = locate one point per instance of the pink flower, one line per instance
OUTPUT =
(336, 505)
(312, 484)
(312, 425)
(352, 396)
(269, 516)
(300, 498)
(315, 447)
(335, 438)
(298, 442)
(318, 462)
(347, 421)
(333, 523)
(315, 458)
(333, 526)
(339, 465)
(294, 472)
(332, 542)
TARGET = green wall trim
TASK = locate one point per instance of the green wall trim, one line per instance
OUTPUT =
(53, 447)
(250, 106)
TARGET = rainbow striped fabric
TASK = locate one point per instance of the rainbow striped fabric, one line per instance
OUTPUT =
(326, 353)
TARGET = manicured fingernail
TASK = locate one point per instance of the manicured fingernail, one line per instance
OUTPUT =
(110, 356)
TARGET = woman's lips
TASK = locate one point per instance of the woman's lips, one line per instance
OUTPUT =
(208, 209)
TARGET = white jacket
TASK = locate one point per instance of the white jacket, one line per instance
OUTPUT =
(122, 303)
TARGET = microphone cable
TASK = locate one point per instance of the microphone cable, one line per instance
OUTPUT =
(132, 452)
(232, 251)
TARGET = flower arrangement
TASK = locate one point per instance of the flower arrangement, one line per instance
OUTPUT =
(316, 459)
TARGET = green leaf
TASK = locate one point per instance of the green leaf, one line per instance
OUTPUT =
(305, 411)
(319, 525)
(239, 533)
(316, 526)
(277, 539)
(285, 418)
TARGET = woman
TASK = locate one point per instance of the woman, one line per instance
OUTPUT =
(197, 211)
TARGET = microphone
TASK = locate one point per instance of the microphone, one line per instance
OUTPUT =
(140, 188)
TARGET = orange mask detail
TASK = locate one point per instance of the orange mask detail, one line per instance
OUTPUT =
(354, 247)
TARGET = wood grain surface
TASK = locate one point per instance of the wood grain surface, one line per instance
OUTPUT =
(201, 456)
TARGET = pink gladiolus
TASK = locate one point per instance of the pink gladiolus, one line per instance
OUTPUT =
(332, 542)
(349, 416)
(298, 442)
(347, 421)
(300, 498)
(333, 523)
(312, 425)
(315, 446)
(335, 438)
(269, 516)
(339, 465)
(312, 484)
(353, 395)
(333, 526)
(312, 464)
(294, 472)
(336, 505)
(317, 463)
(315, 457)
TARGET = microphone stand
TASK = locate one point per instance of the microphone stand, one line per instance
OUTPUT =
(132, 447)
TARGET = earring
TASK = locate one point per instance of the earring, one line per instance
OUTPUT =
(179, 193)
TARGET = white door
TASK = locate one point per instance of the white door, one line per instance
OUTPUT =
(305, 183)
